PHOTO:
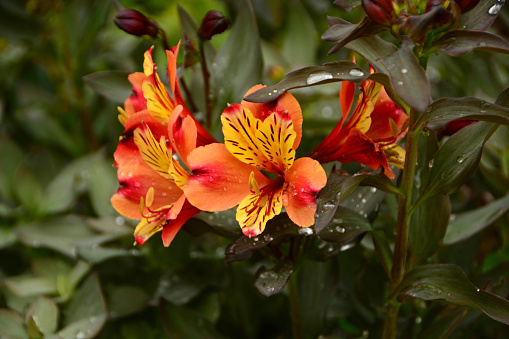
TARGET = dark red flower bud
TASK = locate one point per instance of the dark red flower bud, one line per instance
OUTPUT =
(135, 23)
(213, 23)
(466, 5)
(454, 126)
(379, 11)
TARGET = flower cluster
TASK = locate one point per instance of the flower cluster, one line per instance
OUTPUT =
(170, 167)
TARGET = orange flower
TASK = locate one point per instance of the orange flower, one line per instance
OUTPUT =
(259, 139)
(370, 134)
(151, 180)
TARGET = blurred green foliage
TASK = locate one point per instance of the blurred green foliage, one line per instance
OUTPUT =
(68, 268)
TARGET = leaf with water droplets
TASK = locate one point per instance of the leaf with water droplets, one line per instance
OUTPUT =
(310, 76)
(448, 283)
(342, 32)
(408, 78)
(346, 226)
(280, 227)
(445, 110)
(44, 313)
(271, 282)
(373, 49)
(482, 15)
(461, 226)
(455, 162)
(458, 42)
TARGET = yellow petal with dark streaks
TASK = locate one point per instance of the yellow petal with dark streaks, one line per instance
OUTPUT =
(155, 154)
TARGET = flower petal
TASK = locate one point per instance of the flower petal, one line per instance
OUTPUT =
(155, 153)
(218, 180)
(239, 129)
(256, 209)
(275, 138)
(382, 129)
(284, 103)
(304, 180)
(346, 94)
(171, 229)
(182, 132)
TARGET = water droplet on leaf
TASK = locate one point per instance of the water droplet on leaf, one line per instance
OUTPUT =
(306, 231)
(356, 72)
(495, 9)
(319, 76)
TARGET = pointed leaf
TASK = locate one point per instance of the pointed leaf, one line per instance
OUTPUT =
(457, 159)
(445, 110)
(126, 300)
(11, 325)
(343, 33)
(347, 5)
(238, 64)
(383, 249)
(408, 78)
(462, 226)
(481, 16)
(346, 226)
(111, 84)
(459, 42)
(310, 76)
(448, 283)
(270, 282)
(44, 313)
(373, 49)
(300, 40)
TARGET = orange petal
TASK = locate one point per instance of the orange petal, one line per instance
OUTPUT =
(182, 132)
(219, 181)
(346, 94)
(304, 180)
(172, 227)
(285, 102)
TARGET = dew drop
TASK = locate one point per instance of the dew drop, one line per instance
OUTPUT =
(80, 335)
(363, 201)
(495, 9)
(255, 239)
(164, 194)
(36, 243)
(337, 221)
(461, 158)
(211, 179)
(482, 44)
(399, 83)
(137, 184)
(430, 163)
(373, 189)
(478, 290)
(340, 229)
(404, 71)
(329, 204)
(119, 221)
(418, 320)
(356, 72)
(319, 76)
(306, 231)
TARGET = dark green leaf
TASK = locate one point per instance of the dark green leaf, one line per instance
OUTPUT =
(300, 40)
(458, 42)
(183, 322)
(96, 254)
(448, 283)
(464, 225)
(503, 98)
(347, 5)
(383, 249)
(446, 110)
(12, 156)
(343, 32)
(443, 325)
(111, 84)
(238, 63)
(345, 226)
(102, 184)
(373, 49)
(408, 78)
(457, 159)
(126, 300)
(44, 313)
(481, 16)
(310, 76)
(271, 282)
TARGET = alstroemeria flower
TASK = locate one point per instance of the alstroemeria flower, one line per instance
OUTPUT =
(370, 134)
(259, 138)
(151, 180)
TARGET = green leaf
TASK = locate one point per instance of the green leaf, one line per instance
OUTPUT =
(25, 287)
(340, 185)
(11, 325)
(12, 156)
(111, 84)
(373, 49)
(271, 282)
(126, 300)
(445, 110)
(448, 283)
(28, 190)
(464, 225)
(95, 255)
(310, 76)
(457, 42)
(481, 16)
(102, 184)
(44, 313)
(408, 78)
(238, 64)
(457, 159)
(300, 40)
(183, 322)
(73, 278)
(346, 225)
(383, 249)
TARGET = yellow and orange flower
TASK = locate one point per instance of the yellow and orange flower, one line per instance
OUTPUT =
(370, 134)
(256, 168)
(151, 180)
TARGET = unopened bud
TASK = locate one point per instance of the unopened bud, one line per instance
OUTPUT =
(379, 11)
(454, 126)
(213, 23)
(135, 23)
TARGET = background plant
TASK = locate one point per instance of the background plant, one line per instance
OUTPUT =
(68, 263)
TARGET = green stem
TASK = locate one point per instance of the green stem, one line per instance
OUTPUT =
(206, 85)
(402, 227)
(295, 315)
